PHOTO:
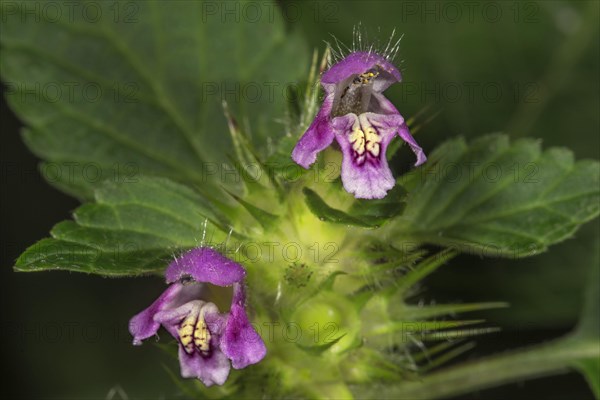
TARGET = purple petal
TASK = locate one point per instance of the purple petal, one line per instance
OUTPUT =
(211, 370)
(368, 181)
(240, 342)
(143, 324)
(171, 318)
(360, 62)
(215, 322)
(239, 295)
(204, 264)
(407, 137)
(382, 105)
(367, 176)
(317, 137)
(387, 122)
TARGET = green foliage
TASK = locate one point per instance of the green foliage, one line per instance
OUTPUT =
(498, 198)
(140, 91)
(131, 229)
(363, 213)
(328, 214)
(157, 133)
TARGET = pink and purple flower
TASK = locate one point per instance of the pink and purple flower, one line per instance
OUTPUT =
(362, 120)
(210, 342)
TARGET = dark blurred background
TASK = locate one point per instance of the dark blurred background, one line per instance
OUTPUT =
(527, 68)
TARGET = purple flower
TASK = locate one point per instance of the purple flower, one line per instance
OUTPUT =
(208, 340)
(362, 120)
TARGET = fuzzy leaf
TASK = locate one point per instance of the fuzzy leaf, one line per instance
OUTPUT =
(329, 214)
(131, 229)
(380, 210)
(135, 88)
(498, 198)
(366, 214)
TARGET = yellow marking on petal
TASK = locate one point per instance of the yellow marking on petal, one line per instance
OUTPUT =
(359, 146)
(357, 138)
(373, 148)
(355, 135)
(185, 333)
(372, 136)
(202, 335)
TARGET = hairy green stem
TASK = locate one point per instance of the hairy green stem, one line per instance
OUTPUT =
(548, 359)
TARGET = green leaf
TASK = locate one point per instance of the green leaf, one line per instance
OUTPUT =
(539, 289)
(328, 214)
(132, 228)
(363, 213)
(135, 88)
(497, 198)
(280, 163)
(380, 210)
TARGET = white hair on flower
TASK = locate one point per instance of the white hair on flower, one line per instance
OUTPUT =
(361, 43)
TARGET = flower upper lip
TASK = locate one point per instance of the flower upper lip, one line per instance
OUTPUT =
(203, 264)
(359, 63)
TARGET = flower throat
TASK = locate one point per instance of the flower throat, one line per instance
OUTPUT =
(356, 95)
